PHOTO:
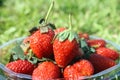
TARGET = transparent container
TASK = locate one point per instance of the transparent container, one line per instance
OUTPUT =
(112, 73)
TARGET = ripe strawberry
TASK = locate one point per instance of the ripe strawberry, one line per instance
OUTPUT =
(41, 39)
(80, 68)
(40, 43)
(46, 70)
(107, 52)
(58, 30)
(21, 66)
(101, 63)
(83, 35)
(65, 51)
(65, 47)
(96, 43)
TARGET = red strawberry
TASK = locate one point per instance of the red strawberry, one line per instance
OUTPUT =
(101, 63)
(107, 52)
(46, 70)
(58, 30)
(41, 39)
(96, 43)
(80, 68)
(40, 43)
(21, 66)
(83, 35)
(65, 47)
(65, 51)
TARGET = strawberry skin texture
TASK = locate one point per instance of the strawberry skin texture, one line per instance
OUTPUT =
(107, 52)
(41, 43)
(80, 68)
(21, 66)
(58, 30)
(101, 63)
(65, 52)
(46, 71)
(96, 43)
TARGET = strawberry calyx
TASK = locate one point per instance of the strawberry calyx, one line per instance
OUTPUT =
(33, 30)
(86, 49)
(18, 54)
(67, 34)
(33, 59)
(44, 25)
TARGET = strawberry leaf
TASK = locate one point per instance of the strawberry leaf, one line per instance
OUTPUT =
(67, 34)
(86, 49)
(50, 25)
(18, 52)
(41, 20)
(84, 45)
(33, 30)
(45, 59)
(62, 36)
(71, 36)
(33, 60)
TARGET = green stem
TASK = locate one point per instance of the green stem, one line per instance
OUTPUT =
(70, 22)
(49, 10)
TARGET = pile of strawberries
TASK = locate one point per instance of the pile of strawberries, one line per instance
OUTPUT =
(61, 53)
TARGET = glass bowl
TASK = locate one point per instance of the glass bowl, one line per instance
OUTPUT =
(112, 73)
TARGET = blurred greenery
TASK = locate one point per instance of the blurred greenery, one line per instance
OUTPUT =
(96, 17)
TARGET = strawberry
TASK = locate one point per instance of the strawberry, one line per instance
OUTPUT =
(46, 70)
(65, 47)
(96, 43)
(107, 52)
(40, 43)
(83, 35)
(77, 70)
(21, 66)
(101, 63)
(41, 39)
(58, 30)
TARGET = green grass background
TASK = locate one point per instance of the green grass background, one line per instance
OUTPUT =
(96, 17)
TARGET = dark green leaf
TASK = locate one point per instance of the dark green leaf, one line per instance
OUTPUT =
(41, 20)
(33, 60)
(51, 26)
(86, 49)
(84, 44)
